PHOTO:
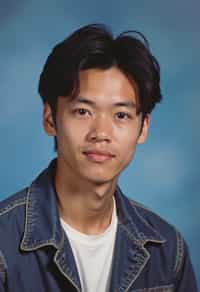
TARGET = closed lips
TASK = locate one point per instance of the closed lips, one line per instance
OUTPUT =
(100, 153)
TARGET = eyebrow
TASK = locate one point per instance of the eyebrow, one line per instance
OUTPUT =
(129, 104)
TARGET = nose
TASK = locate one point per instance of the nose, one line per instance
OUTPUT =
(100, 130)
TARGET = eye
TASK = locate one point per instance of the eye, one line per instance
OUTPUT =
(82, 112)
(122, 116)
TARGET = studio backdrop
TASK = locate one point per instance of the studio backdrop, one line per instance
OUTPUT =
(164, 174)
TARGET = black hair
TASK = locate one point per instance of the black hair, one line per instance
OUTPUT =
(94, 46)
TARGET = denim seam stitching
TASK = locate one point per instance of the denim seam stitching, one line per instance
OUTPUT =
(156, 287)
(140, 269)
(58, 264)
(136, 204)
(26, 229)
(24, 241)
(3, 267)
(139, 243)
(146, 223)
(130, 234)
(179, 253)
(13, 205)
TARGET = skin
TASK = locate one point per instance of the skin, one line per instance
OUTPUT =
(97, 133)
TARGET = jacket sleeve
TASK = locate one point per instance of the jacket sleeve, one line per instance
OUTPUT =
(184, 275)
(2, 273)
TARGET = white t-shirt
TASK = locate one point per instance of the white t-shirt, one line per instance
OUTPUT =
(93, 255)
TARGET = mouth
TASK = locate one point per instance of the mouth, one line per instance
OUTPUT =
(98, 156)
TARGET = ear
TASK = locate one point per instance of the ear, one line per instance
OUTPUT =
(144, 131)
(48, 122)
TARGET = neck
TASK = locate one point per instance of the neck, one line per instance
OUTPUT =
(84, 205)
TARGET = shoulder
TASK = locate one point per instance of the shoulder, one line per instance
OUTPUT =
(13, 202)
(12, 216)
(153, 219)
(174, 244)
(146, 224)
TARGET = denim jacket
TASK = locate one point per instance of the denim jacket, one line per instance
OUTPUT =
(36, 256)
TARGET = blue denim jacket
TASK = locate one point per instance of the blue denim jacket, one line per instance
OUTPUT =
(35, 254)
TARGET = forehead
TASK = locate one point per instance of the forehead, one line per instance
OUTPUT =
(107, 86)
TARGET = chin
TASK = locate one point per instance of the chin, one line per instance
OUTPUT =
(100, 179)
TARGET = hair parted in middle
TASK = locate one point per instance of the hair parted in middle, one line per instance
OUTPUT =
(93, 46)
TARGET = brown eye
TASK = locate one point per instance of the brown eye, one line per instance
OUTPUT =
(122, 115)
(81, 112)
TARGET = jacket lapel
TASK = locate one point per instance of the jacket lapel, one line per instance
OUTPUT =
(130, 254)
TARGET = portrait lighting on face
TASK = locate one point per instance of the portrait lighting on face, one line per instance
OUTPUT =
(95, 47)
(72, 229)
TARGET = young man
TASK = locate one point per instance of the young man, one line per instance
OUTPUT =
(73, 229)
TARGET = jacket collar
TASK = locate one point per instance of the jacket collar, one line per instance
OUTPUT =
(42, 225)
(137, 227)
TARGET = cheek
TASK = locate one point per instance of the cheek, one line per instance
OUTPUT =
(127, 141)
(70, 134)
(127, 136)
(129, 148)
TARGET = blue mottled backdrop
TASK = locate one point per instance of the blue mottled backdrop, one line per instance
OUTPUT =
(165, 173)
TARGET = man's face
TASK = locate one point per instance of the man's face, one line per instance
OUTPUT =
(97, 132)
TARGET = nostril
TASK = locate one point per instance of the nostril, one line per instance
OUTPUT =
(95, 136)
